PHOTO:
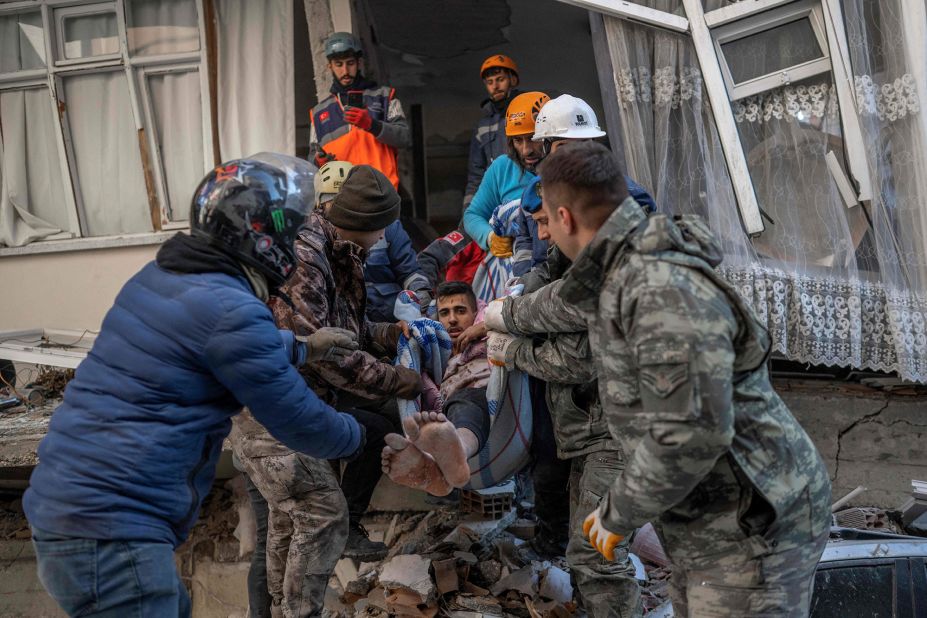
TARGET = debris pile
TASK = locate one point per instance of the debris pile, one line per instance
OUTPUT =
(914, 509)
(438, 563)
(864, 518)
(441, 564)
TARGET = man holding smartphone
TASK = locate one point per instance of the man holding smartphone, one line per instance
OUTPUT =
(360, 122)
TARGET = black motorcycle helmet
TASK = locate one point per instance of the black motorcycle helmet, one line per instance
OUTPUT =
(251, 210)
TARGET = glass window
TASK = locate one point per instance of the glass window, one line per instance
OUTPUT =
(106, 151)
(178, 119)
(772, 50)
(31, 167)
(22, 42)
(162, 27)
(89, 34)
(786, 134)
(866, 590)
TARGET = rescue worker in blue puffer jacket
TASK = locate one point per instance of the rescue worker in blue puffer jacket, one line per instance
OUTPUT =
(131, 452)
(391, 265)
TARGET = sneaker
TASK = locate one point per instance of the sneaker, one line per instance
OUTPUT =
(360, 547)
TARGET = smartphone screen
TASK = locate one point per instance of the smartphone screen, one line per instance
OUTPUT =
(355, 98)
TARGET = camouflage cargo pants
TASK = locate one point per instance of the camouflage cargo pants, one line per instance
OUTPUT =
(607, 589)
(773, 584)
(306, 532)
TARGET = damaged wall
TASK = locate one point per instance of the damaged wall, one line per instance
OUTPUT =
(866, 437)
(71, 290)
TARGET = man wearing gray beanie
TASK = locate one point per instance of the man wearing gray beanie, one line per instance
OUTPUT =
(328, 290)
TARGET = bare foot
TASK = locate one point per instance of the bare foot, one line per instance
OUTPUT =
(438, 437)
(405, 464)
(410, 425)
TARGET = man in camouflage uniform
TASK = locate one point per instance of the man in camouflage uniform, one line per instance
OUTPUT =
(311, 521)
(735, 488)
(564, 361)
(328, 290)
(307, 524)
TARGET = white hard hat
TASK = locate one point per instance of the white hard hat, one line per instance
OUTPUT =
(566, 117)
(329, 178)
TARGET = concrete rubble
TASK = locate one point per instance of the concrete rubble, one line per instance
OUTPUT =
(449, 563)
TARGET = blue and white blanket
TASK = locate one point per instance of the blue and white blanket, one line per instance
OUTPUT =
(492, 273)
(427, 353)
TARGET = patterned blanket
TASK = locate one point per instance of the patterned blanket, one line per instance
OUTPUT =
(491, 276)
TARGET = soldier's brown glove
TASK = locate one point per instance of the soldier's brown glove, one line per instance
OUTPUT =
(387, 335)
(408, 383)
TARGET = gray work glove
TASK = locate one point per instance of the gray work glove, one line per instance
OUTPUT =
(424, 300)
(329, 344)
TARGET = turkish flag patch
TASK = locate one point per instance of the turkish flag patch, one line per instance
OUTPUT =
(454, 237)
(323, 116)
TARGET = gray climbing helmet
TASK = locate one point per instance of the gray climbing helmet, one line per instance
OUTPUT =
(340, 43)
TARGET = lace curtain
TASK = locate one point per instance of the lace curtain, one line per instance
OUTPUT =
(835, 285)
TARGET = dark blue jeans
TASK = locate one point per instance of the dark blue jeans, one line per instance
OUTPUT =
(88, 577)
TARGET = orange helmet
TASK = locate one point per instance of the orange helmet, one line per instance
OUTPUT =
(522, 111)
(499, 61)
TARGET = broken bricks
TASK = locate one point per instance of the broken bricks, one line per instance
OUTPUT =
(409, 574)
(469, 570)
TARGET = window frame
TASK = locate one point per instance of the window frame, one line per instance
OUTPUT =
(15, 8)
(701, 26)
(759, 23)
(168, 210)
(61, 13)
(136, 68)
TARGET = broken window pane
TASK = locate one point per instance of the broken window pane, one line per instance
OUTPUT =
(867, 590)
(89, 35)
(162, 27)
(106, 149)
(30, 180)
(178, 119)
(22, 42)
(772, 50)
(786, 134)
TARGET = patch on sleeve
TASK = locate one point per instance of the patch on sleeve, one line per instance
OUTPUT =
(663, 366)
(454, 237)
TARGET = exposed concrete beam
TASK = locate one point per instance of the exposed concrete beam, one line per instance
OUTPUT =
(341, 15)
(319, 18)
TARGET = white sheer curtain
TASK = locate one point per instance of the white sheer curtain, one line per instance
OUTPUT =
(888, 53)
(105, 141)
(22, 44)
(256, 98)
(831, 287)
(161, 27)
(178, 118)
(32, 203)
(671, 143)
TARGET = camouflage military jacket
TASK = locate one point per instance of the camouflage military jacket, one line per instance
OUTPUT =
(563, 359)
(717, 459)
(328, 290)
